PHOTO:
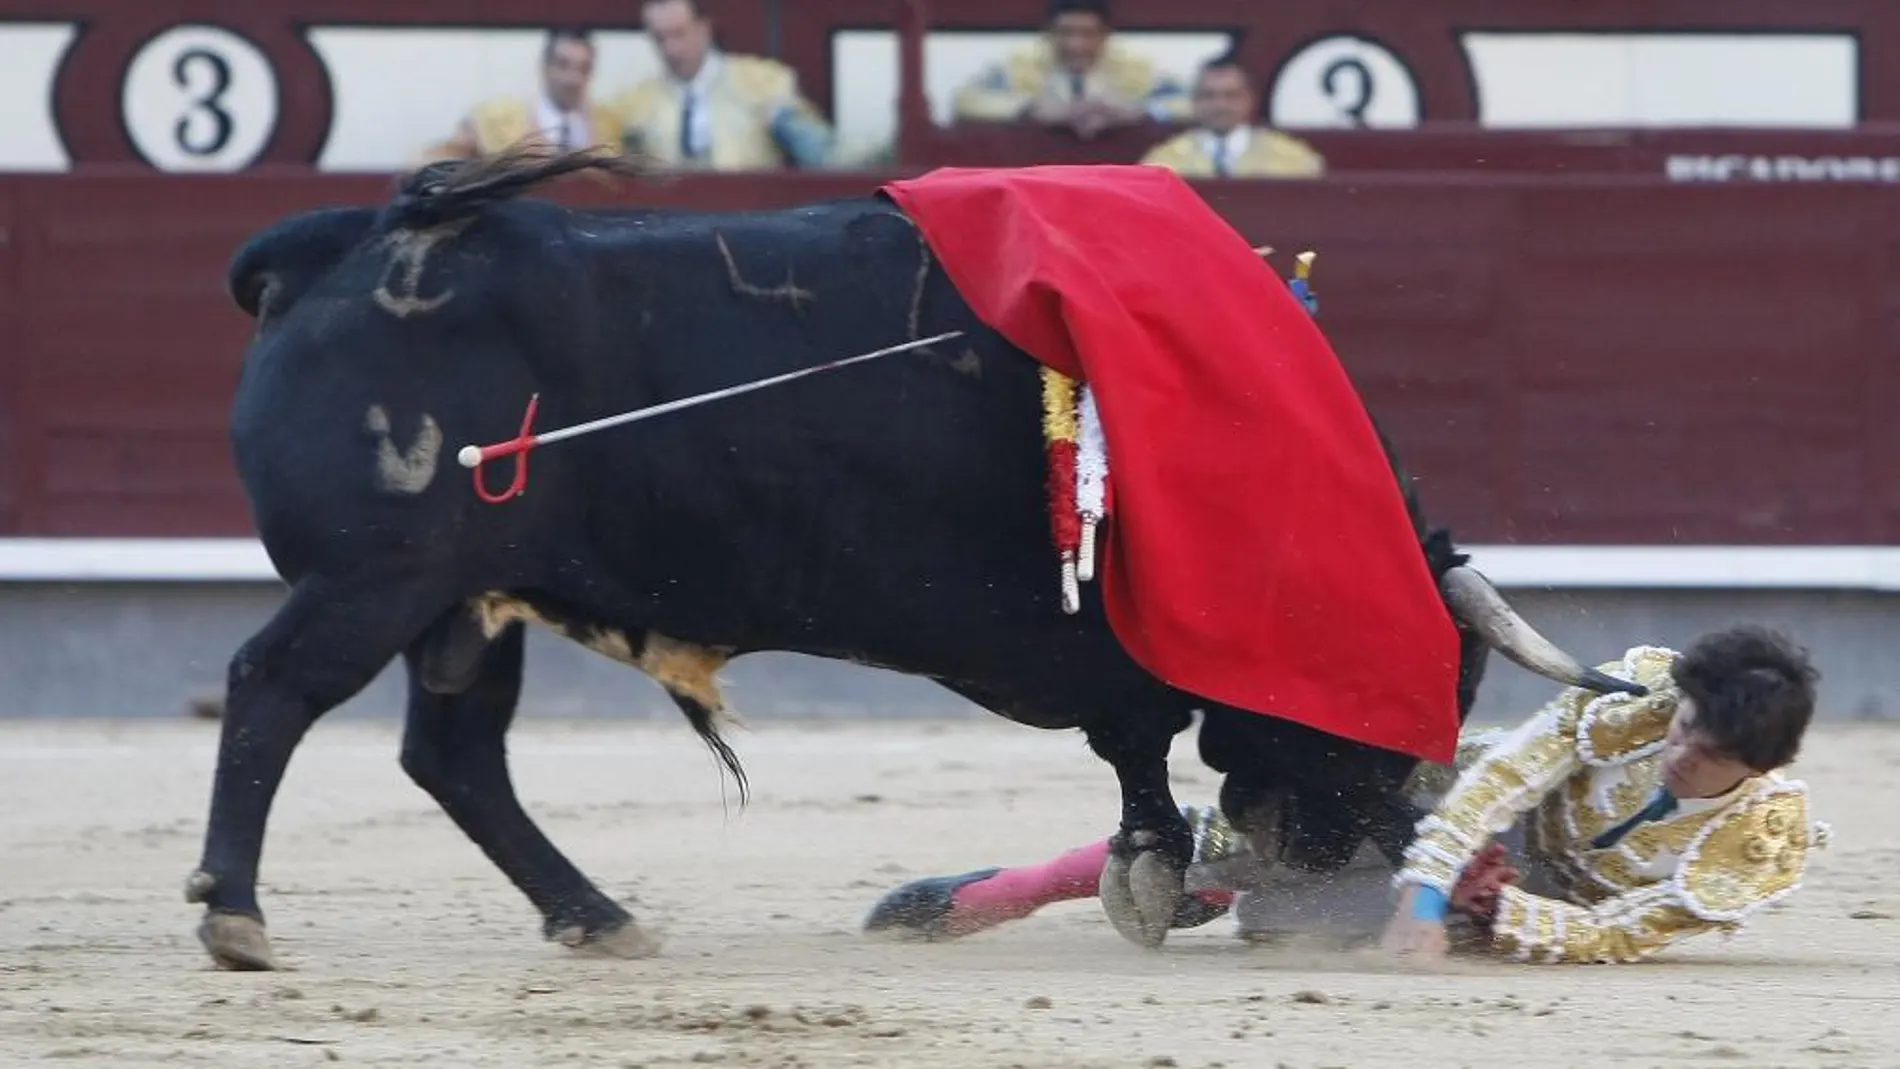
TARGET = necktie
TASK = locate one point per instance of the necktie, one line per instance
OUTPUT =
(688, 143)
(1079, 83)
(1659, 807)
(568, 141)
(1222, 165)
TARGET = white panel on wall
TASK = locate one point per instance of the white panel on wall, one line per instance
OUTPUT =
(29, 137)
(398, 89)
(865, 62)
(1665, 79)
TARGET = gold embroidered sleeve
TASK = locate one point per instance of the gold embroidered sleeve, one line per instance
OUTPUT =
(1617, 728)
(1290, 157)
(1494, 790)
(1508, 780)
(1176, 154)
(1516, 772)
(1628, 927)
(1001, 91)
(635, 106)
(1739, 863)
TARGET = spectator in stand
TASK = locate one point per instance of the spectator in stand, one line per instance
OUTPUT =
(1075, 77)
(1224, 142)
(711, 109)
(560, 117)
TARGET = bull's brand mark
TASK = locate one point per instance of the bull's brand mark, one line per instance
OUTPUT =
(402, 276)
(788, 291)
(404, 471)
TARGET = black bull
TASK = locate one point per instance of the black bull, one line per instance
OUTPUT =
(889, 515)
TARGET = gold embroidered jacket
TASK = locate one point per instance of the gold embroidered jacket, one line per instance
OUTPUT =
(1583, 765)
(1001, 91)
(494, 125)
(760, 119)
(1270, 154)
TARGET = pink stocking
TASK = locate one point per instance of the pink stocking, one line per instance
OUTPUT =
(1018, 892)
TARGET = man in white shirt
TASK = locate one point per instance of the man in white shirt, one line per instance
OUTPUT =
(714, 109)
(1225, 142)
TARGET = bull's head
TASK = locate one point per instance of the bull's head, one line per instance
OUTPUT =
(1313, 815)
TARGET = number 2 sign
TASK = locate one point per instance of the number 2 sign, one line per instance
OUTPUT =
(200, 98)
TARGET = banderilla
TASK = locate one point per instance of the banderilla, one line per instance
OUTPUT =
(474, 456)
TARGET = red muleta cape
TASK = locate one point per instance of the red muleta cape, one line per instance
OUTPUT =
(1260, 554)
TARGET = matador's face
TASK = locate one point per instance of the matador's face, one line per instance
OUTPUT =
(1692, 765)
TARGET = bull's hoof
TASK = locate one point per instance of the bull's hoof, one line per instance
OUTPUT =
(1141, 897)
(628, 942)
(927, 909)
(236, 942)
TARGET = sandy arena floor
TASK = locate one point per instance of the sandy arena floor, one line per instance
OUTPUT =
(405, 948)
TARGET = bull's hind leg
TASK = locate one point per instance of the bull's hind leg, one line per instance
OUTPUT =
(454, 747)
(1141, 885)
(325, 644)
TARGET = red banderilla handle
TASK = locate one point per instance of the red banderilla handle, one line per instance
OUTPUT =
(518, 447)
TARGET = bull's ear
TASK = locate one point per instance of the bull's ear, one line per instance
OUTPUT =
(260, 269)
(248, 290)
(290, 250)
(245, 279)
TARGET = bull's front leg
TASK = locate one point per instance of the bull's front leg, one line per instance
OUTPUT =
(324, 645)
(1142, 882)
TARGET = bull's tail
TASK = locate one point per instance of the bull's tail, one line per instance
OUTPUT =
(453, 189)
(706, 724)
(450, 662)
(687, 673)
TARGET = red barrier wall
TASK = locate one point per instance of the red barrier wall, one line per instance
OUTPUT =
(1602, 360)
(1868, 153)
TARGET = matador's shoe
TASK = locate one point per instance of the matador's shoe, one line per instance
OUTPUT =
(924, 909)
(927, 908)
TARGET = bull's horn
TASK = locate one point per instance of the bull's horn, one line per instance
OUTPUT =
(1473, 600)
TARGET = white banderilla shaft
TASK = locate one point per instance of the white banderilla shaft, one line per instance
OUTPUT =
(472, 456)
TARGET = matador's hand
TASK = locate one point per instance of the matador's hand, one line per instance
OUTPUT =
(1476, 892)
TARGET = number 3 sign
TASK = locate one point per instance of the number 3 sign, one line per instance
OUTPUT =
(1343, 81)
(200, 98)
